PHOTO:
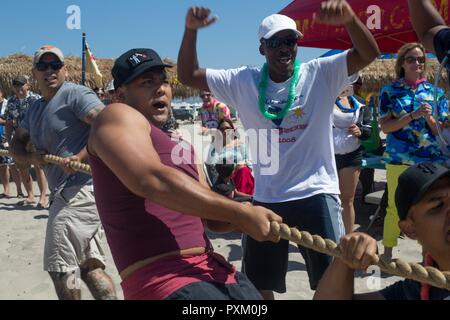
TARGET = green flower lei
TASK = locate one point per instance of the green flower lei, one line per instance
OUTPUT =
(263, 89)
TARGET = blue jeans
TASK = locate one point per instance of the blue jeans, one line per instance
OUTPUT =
(242, 290)
(266, 263)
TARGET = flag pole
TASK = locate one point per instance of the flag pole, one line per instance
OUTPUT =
(83, 61)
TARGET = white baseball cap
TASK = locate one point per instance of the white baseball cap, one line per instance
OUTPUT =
(47, 49)
(276, 23)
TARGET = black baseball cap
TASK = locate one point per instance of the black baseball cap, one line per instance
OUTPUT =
(414, 182)
(134, 63)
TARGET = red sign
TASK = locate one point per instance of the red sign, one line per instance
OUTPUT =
(388, 20)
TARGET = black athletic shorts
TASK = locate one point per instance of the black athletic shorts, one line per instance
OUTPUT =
(349, 160)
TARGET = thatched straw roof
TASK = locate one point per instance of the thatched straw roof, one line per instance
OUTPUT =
(374, 77)
(19, 64)
(382, 72)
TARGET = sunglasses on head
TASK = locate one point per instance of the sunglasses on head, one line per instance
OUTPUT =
(411, 60)
(54, 65)
(276, 42)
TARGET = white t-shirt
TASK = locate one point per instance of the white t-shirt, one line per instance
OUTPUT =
(305, 163)
(345, 142)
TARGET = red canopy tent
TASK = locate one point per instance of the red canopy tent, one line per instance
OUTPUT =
(388, 20)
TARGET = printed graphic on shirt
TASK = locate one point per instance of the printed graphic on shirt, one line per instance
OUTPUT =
(211, 117)
(294, 121)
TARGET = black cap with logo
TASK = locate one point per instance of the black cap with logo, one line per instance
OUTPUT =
(134, 63)
(414, 182)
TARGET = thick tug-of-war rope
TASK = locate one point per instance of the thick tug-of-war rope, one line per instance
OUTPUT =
(77, 166)
(396, 267)
(399, 268)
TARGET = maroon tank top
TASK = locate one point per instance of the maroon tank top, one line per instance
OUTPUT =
(136, 228)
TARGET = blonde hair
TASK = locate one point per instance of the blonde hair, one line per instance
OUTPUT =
(399, 71)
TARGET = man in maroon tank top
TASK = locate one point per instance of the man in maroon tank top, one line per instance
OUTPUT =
(153, 209)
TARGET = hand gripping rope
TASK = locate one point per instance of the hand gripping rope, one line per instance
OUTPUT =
(77, 166)
(395, 267)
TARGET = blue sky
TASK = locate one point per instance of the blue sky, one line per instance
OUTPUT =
(115, 26)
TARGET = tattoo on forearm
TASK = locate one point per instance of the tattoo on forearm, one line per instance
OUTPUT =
(92, 115)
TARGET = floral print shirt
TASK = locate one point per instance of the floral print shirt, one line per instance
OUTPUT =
(414, 143)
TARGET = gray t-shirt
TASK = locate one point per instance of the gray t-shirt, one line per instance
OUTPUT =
(57, 128)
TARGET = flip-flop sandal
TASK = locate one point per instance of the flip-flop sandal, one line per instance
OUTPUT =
(4, 196)
(26, 203)
(41, 207)
(21, 196)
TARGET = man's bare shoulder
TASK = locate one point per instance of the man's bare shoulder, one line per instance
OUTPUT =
(116, 120)
(120, 114)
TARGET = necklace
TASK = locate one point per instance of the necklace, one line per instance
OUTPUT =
(263, 89)
(348, 110)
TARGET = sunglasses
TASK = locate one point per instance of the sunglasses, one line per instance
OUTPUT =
(411, 60)
(276, 42)
(205, 96)
(54, 65)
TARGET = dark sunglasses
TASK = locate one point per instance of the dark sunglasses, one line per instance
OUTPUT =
(54, 65)
(410, 60)
(276, 42)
